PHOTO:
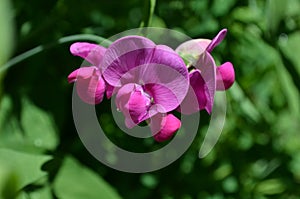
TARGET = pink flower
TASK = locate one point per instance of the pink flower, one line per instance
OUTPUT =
(89, 82)
(149, 79)
(206, 77)
(163, 126)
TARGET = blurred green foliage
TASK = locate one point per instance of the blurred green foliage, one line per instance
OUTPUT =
(257, 156)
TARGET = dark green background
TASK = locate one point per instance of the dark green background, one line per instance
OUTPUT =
(257, 156)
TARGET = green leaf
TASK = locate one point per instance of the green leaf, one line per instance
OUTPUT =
(74, 181)
(245, 103)
(6, 34)
(276, 10)
(24, 167)
(43, 193)
(38, 126)
(8, 182)
(222, 7)
(247, 14)
(36, 131)
(270, 187)
(289, 44)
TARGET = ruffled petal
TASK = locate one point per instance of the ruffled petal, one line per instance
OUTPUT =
(163, 126)
(197, 96)
(147, 64)
(225, 76)
(93, 53)
(207, 67)
(109, 90)
(164, 100)
(123, 55)
(82, 73)
(134, 103)
(192, 49)
(89, 84)
(216, 40)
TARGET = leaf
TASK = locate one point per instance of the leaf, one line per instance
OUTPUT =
(43, 193)
(289, 44)
(276, 10)
(38, 126)
(270, 187)
(8, 182)
(6, 34)
(26, 167)
(247, 14)
(246, 104)
(74, 181)
(36, 131)
(222, 7)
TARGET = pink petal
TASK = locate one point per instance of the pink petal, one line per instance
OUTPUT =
(147, 64)
(89, 84)
(163, 127)
(93, 53)
(207, 66)
(216, 40)
(83, 73)
(125, 54)
(225, 76)
(192, 49)
(109, 90)
(198, 94)
(134, 103)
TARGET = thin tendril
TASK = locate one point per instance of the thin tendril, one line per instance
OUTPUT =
(62, 40)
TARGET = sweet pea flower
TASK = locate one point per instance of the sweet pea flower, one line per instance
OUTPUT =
(163, 127)
(150, 81)
(90, 85)
(206, 77)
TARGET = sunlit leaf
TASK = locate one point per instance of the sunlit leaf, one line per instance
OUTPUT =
(8, 182)
(222, 7)
(74, 181)
(275, 13)
(270, 187)
(26, 167)
(6, 34)
(290, 46)
(36, 131)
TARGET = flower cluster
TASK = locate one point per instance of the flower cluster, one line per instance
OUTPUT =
(151, 81)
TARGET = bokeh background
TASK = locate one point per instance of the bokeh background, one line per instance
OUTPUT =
(257, 156)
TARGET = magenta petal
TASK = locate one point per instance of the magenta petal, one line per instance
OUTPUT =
(225, 76)
(109, 90)
(123, 97)
(164, 99)
(163, 126)
(134, 103)
(90, 88)
(125, 54)
(192, 49)
(82, 73)
(147, 64)
(93, 53)
(217, 40)
(73, 76)
(138, 105)
(197, 96)
(207, 67)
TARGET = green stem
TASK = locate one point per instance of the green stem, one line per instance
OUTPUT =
(62, 40)
(149, 10)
